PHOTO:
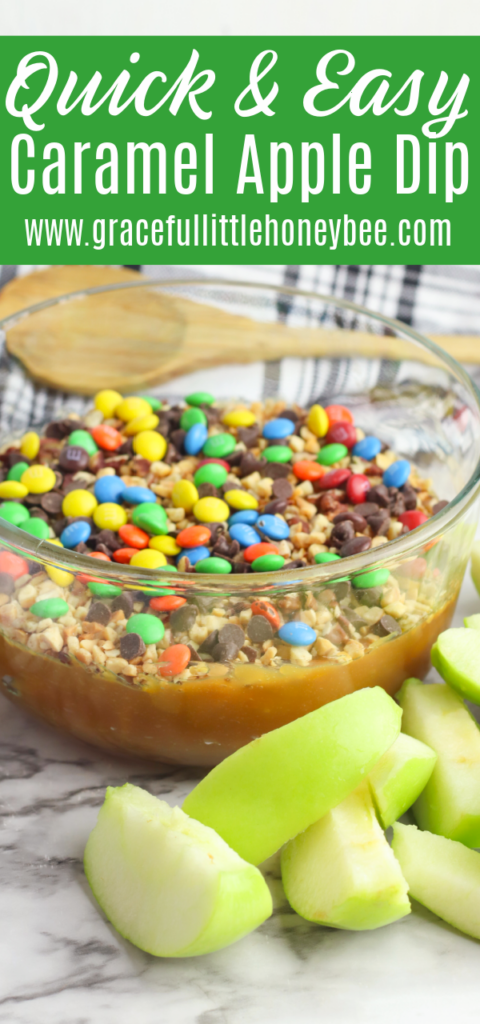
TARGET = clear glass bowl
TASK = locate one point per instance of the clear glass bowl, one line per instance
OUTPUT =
(403, 389)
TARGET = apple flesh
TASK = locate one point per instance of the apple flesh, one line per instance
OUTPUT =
(456, 656)
(450, 803)
(475, 567)
(169, 884)
(442, 875)
(341, 872)
(472, 621)
(399, 777)
(275, 787)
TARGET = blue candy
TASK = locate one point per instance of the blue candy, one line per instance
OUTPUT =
(76, 533)
(138, 495)
(194, 555)
(368, 448)
(248, 516)
(276, 429)
(397, 474)
(298, 634)
(273, 527)
(195, 439)
(109, 488)
(245, 534)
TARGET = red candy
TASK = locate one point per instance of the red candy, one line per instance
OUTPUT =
(133, 537)
(167, 604)
(304, 469)
(357, 487)
(257, 550)
(338, 413)
(123, 555)
(268, 611)
(335, 478)
(218, 462)
(174, 660)
(413, 518)
(12, 564)
(193, 536)
(107, 437)
(342, 433)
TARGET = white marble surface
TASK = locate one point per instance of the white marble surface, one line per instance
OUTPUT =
(62, 963)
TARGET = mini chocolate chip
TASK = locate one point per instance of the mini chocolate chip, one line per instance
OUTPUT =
(231, 634)
(172, 455)
(342, 533)
(131, 646)
(73, 458)
(357, 521)
(7, 583)
(276, 470)
(397, 505)
(248, 435)
(276, 507)
(438, 507)
(289, 414)
(249, 464)
(353, 618)
(235, 458)
(379, 524)
(99, 612)
(231, 485)
(371, 596)
(386, 625)
(368, 508)
(249, 651)
(242, 567)
(31, 499)
(82, 548)
(177, 438)
(225, 652)
(355, 546)
(337, 636)
(125, 449)
(110, 539)
(13, 457)
(379, 495)
(182, 619)
(221, 547)
(342, 589)
(209, 643)
(51, 502)
(102, 548)
(409, 497)
(193, 653)
(39, 513)
(298, 563)
(208, 491)
(123, 603)
(259, 629)
(282, 489)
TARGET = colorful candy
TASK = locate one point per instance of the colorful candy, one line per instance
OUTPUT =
(36, 527)
(241, 500)
(50, 608)
(75, 533)
(318, 421)
(184, 495)
(397, 474)
(131, 408)
(273, 527)
(109, 516)
(331, 453)
(82, 439)
(78, 503)
(412, 519)
(210, 473)
(192, 536)
(38, 479)
(268, 563)
(107, 401)
(13, 489)
(218, 445)
(244, 534)
(148, 559)
(195, 439)
(239, 418)
(297, 634)
(138, 495)
(195, 555)
(214, 565)
(148, 627)
(248, 516)
(13, 513)
(133, 536)
(150, 517)
(191, 417)
(174, 660)
(109, 488)
(308, 470)
(200, 398)
(258, 551)
(357, 487)
(17, 470)
(150, 445)
(166, 544)
(368, 448)
(211, 510)
(30, 445)
(107, 437)
(141, 423)
(278, 453)
(342, 433)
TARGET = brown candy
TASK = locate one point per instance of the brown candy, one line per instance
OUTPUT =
(131, 646)
(72, 458)
(259, 629)
(355, 546)
(99, 612)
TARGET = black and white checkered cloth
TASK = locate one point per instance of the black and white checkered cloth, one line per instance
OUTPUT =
(431, 299)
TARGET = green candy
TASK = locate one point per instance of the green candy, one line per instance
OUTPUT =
(82, 439)
(212, 473)
(331, 453)
(215, 565)
(268, 563)
(218, 445)
(50, 608)
(148, 627)
(192, 416)
(150, 517)
(104, 590)
(16, 471)
(200, 398)
(326, 556)
(154, 403)
(13, 513)
(36, 527)
(375, 578)
(278, 453)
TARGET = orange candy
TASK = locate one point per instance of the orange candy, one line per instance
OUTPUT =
(305, 469)
(123, 555)
(193, 536)
(13, 564)
(101, 555)
(167, 604)
(257, 550)
(133, 536)
(267, 609)
(174, 660)
(338, 414)
(107, 437)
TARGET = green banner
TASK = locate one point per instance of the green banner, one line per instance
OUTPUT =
(239, 150)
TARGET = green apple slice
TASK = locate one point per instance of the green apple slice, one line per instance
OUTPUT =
(456, 656)
(472, 621)
(475, 568)
(442, 875)
(450, 803)
(399, 776)
(275, 787)
(341, 872)
(169, 884)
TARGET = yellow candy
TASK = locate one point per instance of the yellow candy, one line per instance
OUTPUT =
(30, 445)
(239, 418)
(317, 421)
(167, 545)
(211, 510)
(59, 576)
(107, 401)
(79, 503)
(241, 500)
(13, 489)
(132, 408)
(142, 423)
(38, 479)
(148, 559)
(110, 516)
(184, 495)
(150, 445)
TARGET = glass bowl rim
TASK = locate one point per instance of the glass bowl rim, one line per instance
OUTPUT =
(373, 558)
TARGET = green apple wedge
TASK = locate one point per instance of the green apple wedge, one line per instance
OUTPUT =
(399, 777)
(456, 656)
(276, 786)
(450, 803)
(341, 871)
(169, 884)
(472, 621)
(442, 875)
(475, 566)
